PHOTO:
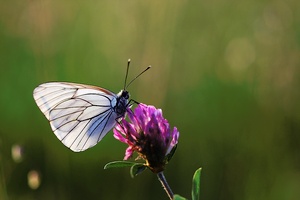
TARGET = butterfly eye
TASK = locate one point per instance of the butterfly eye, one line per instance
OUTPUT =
(125, 94)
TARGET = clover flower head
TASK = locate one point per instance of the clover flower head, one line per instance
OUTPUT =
(149, 134)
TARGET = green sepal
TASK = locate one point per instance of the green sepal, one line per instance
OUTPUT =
(196, 185)
(137, 169)
(170, 155)
(117, 164)
(178, 197)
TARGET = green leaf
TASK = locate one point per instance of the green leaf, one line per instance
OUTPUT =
(178, 197)
(137, 169)
(116, 164)
(196, 185)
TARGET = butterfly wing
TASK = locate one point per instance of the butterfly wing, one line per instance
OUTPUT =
(79, 115)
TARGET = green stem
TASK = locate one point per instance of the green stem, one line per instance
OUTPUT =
(165, 185)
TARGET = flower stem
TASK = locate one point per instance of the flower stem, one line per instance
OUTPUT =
(165, 185)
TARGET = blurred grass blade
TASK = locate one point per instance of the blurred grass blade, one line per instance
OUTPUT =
(116, 164)
(196, 185)
(178, 197)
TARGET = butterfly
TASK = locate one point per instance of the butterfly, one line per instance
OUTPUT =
(81, 115)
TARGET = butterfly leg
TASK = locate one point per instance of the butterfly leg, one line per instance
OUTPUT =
(131, 102)
(120, 123)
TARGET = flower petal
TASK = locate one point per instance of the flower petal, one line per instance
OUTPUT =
(119, 136)
(128, 153)
(174, 141)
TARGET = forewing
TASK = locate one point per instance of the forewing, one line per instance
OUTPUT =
(79, 115)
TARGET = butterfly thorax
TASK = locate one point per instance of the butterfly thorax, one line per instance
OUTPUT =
(122, 102)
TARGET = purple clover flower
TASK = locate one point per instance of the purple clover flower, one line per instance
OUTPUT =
(148, 134)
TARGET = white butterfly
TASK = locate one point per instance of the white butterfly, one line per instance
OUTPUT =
(81, 115)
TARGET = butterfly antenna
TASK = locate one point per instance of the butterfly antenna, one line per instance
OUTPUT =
(128, 63)
(138, 76)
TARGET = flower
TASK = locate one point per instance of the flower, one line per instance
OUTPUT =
(148, 134)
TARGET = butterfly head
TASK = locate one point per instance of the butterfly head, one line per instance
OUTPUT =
(124, 94)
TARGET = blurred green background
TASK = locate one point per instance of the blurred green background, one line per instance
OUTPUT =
(225, 73)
